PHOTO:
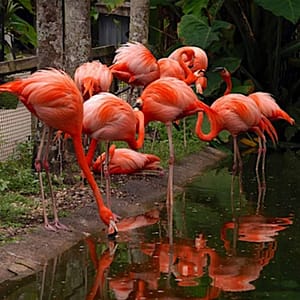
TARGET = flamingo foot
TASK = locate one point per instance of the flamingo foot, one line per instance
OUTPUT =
(116, 218)
(49, 227)
(61, 226)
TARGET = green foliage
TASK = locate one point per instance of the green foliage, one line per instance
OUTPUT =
(160, 146)
(13, 206)
(203, 34)
(8, 101)
(193, 7)
(261, 46)
(112, 4)
(289, 9)
(16, 174)
(16, 27)
(27, 4)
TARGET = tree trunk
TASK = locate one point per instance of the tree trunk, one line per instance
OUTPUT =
(139, 21)
(77, 40)
(2, 9)
(49, 26)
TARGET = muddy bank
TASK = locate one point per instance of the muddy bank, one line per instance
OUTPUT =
(135, 195)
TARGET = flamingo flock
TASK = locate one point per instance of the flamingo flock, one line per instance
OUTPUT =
(85, 105)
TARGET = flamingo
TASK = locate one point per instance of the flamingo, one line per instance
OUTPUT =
(198, 64)
(235, 113)
(53, 97)
(134, 64)
(108, 118)
(178, 68)
(92, 78)
(127, 161)
(166, 100)
(200, 61)
(265, 103)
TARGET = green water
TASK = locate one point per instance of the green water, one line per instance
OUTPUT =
(227, 245)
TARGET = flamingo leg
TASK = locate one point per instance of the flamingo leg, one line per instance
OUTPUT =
(264, 149)
(107, 176)
(38, 168)
(184, 133)
(261, 156)
(259, 152)
(57, 224)
(170, 188)
(237, 160)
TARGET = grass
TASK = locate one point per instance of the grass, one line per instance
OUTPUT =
(18, 186)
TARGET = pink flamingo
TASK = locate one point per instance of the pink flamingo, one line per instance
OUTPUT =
(53, 97)
(109, 118)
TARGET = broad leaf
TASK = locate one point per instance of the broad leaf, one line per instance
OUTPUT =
(232, 64)
(289, 9)
(192, 6)
(195, 31)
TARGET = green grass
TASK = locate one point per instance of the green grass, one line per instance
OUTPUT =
(14, 207)
(160, 146)
(18, 186)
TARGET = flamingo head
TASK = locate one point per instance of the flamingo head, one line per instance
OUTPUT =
(110, 219)
(138, 105)
(224, 73)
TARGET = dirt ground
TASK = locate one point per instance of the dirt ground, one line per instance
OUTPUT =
(133, 195)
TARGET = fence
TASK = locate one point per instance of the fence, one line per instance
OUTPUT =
(15, 127)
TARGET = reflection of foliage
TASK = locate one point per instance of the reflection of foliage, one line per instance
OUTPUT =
(16, 28)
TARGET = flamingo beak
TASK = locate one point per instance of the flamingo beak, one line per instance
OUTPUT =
(112, 229)
(138, 105)
(218, 69)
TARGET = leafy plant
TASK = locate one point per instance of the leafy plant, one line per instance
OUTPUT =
(8, 101)
(16, 28)
(16, 173)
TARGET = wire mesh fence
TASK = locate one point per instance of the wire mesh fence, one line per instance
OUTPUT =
(15, 127)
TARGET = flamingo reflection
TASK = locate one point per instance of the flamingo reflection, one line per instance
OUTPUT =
(165, 269)
(102, 265)
(235, 271)
(122, 286)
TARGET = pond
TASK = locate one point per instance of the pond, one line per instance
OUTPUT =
(233, 238)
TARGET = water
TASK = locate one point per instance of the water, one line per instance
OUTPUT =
(227, 245)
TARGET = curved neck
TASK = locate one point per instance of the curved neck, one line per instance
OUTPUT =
(91, 152)
(190, 77)
(215, 125)
(227, 79)
(87, 172)
(140, 129)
